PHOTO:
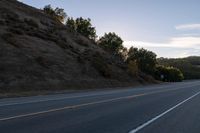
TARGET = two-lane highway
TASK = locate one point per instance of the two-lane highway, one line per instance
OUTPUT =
(165, 108)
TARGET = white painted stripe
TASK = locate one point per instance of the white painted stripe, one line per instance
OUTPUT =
(159, 116)
(82, 96)
(85, 104)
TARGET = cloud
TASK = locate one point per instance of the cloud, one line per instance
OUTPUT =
(176, 42)
(188, 27)
(185, 41)
(174, 47)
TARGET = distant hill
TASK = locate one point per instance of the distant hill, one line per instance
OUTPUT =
(37, 52)
(190, 66)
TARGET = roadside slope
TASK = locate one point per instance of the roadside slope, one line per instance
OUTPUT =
(39, 53)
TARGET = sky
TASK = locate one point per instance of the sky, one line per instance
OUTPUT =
(170, 28)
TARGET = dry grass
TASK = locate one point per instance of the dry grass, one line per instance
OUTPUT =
(31, 22)
(101, 65)
(10, 38)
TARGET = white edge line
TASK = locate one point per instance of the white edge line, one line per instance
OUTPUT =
(159, 116)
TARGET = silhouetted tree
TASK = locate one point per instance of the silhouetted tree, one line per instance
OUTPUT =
(145, 59)
(111, 42)
(133, 67)
(57, 13)
(168, 74)
(82, 26)
(71, 24)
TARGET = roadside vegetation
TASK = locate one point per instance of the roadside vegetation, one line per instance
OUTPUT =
(137, 61)
(190, 66)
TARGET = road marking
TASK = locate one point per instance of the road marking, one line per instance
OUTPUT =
(85, 104)
(63, 98)
(159, 116)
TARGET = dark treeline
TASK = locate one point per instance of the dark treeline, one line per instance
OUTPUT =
(137, 60)
(190, 66)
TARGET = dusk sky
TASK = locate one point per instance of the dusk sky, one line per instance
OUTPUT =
(170, 28)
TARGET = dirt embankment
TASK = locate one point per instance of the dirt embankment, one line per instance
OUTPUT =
(39, 53)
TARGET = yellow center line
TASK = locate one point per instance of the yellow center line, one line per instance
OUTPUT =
(85, 104)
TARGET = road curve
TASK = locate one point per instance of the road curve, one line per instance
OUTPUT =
(165, 108)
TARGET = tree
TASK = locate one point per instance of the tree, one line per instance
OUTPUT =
(82, 26)
(145, 59)
(71, 24)
(85, 27)
(49, 10)
(57, 13)
(168, 74)
(133, 67)
(60, 14)
(111, 42)
(123, 53)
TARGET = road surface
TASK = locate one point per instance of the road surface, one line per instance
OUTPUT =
(165, 108)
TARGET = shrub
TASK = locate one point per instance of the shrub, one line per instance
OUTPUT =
(16, 31)
(10, 38)
(145, 59)
(2, 22)
(57, 13)
(82, 26)
(82, 41)
(111, 42)
(42, 61)
(31, 22)
(168, 74)
(44, 23)
(62, 44)
(11, 16)
(133, 68)
(100, 65)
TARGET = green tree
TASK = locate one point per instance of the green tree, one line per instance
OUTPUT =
(133, 67)
(145, 59)
(168, 74)
(82, 26)
(123, 53)
(49, 10)
(85, 27)
(57, 13)
(71, 24)
(111, 42)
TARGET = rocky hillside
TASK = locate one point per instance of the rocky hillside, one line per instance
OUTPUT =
(37, 52)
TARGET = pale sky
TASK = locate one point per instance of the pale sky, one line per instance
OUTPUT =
(170, 28)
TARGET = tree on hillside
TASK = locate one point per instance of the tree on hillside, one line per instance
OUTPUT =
(111, 42)
(133, 68)
(145, 59)
(57, 13)
(82, 26)
(85, 27)
(168, 74)
(71, 24)
(190, 66)
(123, 53)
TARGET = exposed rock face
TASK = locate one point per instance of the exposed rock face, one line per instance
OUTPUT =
(37, 52)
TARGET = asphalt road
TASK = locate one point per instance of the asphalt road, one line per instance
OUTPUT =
(165, 108)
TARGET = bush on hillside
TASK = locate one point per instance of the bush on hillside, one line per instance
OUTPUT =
(133, 68)
(111, 42)
(145, 59)
(82, 26)
(168, 74)
(31, 22)
(100, 65)
(58, 13)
